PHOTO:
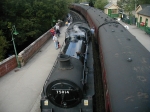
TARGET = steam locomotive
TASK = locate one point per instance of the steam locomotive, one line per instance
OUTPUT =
(70, 84)
(125, 63)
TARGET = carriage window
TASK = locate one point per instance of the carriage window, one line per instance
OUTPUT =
(114, 11)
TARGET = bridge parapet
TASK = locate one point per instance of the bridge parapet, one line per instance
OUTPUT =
(7, 65)
(34, 47)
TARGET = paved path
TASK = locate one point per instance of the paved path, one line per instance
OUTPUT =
(20, 91)
(141, 36)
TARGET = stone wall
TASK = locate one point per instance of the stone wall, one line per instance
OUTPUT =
(29, 51)
(7, 65)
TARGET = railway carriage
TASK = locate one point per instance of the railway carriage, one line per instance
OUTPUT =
(125, 64)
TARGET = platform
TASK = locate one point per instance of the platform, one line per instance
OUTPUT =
(140, 35)
(20, 89)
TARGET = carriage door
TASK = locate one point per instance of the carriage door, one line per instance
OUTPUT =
(140, 21)
(109, 12)
(146, 22)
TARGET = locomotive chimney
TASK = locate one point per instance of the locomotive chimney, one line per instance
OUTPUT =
(64, 62)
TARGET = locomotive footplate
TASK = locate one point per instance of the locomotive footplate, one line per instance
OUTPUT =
(86, 105)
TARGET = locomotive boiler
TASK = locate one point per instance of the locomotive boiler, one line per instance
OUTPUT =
(70, 84)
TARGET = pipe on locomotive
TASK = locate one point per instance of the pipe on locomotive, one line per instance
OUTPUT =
(53, 67)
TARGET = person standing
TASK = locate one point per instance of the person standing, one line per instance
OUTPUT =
(55, 39)
(66, 24)
(52, 30)
(57, 29)
(92, 31)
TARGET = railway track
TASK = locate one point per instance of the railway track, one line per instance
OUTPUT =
(76, 16)
(99, 92)
(99, 105)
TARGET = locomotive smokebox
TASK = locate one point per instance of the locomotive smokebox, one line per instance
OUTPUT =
(64, 88)
(64, 62)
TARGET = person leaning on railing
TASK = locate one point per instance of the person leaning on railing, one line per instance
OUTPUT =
(52, 30)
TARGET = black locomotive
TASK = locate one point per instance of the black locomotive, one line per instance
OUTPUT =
(70, 85)
(125, 63)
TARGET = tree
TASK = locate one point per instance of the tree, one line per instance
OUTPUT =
(32, 18)
(100, 4)
(91, 3)
(143, 1)
(127, 5)
(3, 46)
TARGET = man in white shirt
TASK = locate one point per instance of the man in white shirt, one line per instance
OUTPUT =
(57, 29)
(55, 39)
(126, 26)
(93, 31)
